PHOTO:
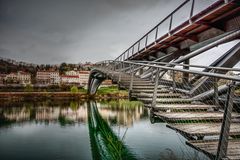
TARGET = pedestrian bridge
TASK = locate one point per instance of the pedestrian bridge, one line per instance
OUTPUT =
(198, 101)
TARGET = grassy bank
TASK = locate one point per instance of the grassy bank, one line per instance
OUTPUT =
(112, 91)
(74, 93)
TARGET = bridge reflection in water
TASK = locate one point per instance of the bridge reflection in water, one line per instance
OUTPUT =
(105, 144)
(86, 130)
(71, 112)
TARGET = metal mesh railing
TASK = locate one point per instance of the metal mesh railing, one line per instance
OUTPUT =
(200, 102)
(166, 27)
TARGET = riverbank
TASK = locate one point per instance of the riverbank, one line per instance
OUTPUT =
(62, 95)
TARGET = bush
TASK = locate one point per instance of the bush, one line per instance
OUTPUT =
(28, 88)
(74, 89)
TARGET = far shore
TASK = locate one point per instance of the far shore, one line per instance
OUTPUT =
(62, 95)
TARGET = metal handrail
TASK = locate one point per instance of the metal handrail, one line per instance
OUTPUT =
(155, 27)
(145, 36)
(202, 73)
(187, 65)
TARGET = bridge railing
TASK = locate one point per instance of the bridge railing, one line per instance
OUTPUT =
(195, 69)
(218, 86)
(193, 80)
(166, 27)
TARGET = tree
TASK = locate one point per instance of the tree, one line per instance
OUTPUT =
(28, 88)
(74, 89)
(63, 68)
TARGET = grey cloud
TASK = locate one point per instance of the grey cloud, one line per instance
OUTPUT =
(4, 52)
(53, 31)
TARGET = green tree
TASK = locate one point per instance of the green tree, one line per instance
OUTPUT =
(28, 88)
(74, 89)
(63, 68)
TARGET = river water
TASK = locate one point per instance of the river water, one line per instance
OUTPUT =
(76, 130)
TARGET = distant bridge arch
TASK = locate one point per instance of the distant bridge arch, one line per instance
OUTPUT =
(96, 77)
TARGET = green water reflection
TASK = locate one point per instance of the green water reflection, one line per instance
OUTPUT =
(104, 143)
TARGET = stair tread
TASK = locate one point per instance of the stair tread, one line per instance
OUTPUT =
(184, 107)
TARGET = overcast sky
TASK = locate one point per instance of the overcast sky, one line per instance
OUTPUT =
(55, 31)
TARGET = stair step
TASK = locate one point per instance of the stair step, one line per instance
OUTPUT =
(134, 81)
(150, 91)
(167, 100)
(195, 116)
(140, 85)
(203, 129)
(210, 147)
(146, 87)
(178, 107)
(159, 95)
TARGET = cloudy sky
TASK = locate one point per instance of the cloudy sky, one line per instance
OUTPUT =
(55, 31)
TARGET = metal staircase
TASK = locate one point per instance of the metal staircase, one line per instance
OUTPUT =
(157, 71)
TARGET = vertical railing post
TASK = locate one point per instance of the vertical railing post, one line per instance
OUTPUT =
(215, 86)
(152, 79)
(138, 46)
(170, 25)
(191, 12)
(156, 34)
(146, 41)
(224, 135)
(185, 74)
(120, 66)
(119, 80)
(119, 76)
(173, 79)
(131, 83)
(114, 66)
(154, 99)
(133, 50)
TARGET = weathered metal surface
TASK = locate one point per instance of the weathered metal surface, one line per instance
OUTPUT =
(214, 20)
(198, 116)
(210, 148)
(203, 129)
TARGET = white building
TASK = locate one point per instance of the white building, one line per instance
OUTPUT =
(24, 78)
(55, 77)
(70, 79)
(11, 76)
(48, 77)
(72, 73)
(2, 78)
(19, 77)
(83, 77)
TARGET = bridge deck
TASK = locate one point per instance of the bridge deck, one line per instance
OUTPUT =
(195, 33)
(167, 100)
(210, 148)
(195, 116)
(149, 91)
(160, 95)
(177, 107)
(209, 18)
(203, 129)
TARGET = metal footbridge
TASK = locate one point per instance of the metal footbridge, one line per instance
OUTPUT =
(200, 102)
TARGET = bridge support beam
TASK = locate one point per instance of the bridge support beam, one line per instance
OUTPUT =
(174, 81)
(224, 135)
(95, 79)
(131, 84)
(185, 78)
(215, 86)
(154, 99)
